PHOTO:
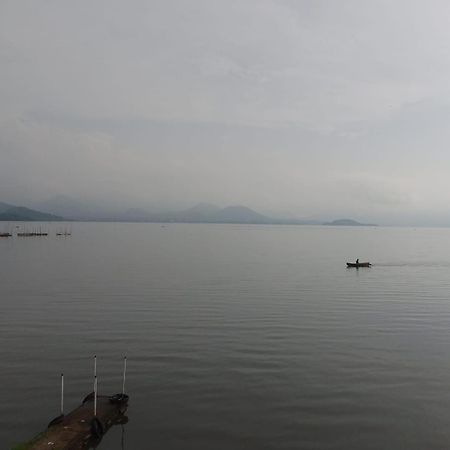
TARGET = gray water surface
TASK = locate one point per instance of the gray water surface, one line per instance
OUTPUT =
(238, 337)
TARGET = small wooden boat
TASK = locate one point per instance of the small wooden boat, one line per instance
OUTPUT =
(357, 265)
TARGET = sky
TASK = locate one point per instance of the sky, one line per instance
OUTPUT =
(308, 107)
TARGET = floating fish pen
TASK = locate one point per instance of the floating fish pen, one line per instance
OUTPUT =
(84, 427)
(28, 234)
(6, 231)
(40, 232)
(32, 233)
(64, 232)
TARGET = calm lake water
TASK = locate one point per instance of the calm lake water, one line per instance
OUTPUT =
(238, 337)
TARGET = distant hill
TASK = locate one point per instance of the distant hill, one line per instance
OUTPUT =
(349, 223)
(4, 207)
(134, 215)
(239, 214)
(62, 205)
(203, 212)
(20, 213)
(207, 213)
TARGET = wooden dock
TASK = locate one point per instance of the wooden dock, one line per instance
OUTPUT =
(80, 429)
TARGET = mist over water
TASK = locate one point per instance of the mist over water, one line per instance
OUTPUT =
(237, 336)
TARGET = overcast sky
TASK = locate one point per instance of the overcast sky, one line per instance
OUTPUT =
(320, 108)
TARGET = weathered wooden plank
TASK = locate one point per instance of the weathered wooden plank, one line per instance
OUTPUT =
(79, 429)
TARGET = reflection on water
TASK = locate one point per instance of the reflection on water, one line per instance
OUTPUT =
(254, 337)
(95, 443)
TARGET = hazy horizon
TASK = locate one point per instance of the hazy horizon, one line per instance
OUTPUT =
(310, 108)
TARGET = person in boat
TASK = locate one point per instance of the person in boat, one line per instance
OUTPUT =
(357, 261)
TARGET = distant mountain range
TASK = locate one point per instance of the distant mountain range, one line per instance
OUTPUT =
(349, 223)
(59, 209)
(207, 213)
(201, 213)
(65, 208)
(13, 213)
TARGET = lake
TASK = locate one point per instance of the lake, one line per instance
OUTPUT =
(237, 336)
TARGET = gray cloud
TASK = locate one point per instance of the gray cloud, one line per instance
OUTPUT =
(314, 107)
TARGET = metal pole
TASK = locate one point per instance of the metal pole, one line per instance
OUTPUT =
(62, 394)
(124, 374)
(95, 365)
(95, 396)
